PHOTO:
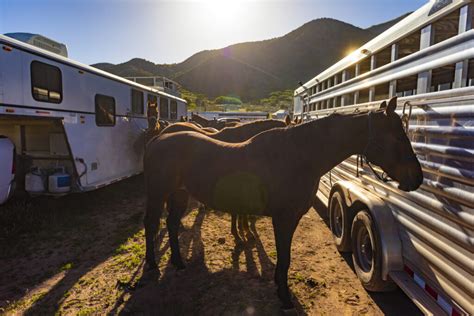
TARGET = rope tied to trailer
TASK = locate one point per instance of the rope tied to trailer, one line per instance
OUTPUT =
(406, 117)
(371, 141)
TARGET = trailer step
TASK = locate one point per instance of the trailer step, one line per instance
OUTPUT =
(421, 299)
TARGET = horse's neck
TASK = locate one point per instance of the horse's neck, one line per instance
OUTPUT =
(326, 144)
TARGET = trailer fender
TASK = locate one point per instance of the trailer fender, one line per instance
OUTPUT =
(384, 221)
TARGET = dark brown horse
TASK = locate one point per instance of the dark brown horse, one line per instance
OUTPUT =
(257, 176)
(231, 135)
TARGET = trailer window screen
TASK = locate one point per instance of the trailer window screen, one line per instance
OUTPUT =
(382, 92)
(338, 78)
(46, 82)
(164, 113)
(350, 72)
(364, 66)
(137, 102)
(348, 99)
(338, 102)
(409, 45)
(470, 73)
(104, 110)
(407, 86)
(442, 78)
(446, 27)
(174, 110)
(364, 96)
(383, 57)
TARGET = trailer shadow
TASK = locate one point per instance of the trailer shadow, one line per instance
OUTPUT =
(390, 303)
(78, 234)
(197, 290)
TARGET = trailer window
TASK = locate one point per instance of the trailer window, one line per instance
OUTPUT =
(407, 86)
(338, 102)
(350, 72)
(330, 103)
(338, 78)
(164, 114)
(174, 110)
(329, 84)
(446, 27)
(364, 66)
(382, 92)
(364, 96)
(409, 45)
(137, 102)
(470, 73)
(383, 57)
(348, 99)
(46, 82)
(442, 78)
(104, 110)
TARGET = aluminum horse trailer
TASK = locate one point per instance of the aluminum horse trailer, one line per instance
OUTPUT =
(66, 118)
(423, 241)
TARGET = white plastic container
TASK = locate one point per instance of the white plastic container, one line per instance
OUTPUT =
(59, 182)
(34, 182)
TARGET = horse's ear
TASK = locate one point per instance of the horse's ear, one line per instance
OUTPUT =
(392, 106)
(383, 105)
(287, 120)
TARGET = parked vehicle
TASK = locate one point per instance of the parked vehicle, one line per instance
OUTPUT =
(73, 124)
(422, 241)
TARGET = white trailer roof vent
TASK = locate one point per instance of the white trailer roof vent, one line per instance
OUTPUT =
(41, 42)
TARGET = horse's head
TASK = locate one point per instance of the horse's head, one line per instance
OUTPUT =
(389, 147)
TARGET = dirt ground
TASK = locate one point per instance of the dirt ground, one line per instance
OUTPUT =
(83, 255)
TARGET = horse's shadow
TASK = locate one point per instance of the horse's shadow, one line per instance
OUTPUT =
(198, 291)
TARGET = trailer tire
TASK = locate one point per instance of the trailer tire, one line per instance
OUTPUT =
(367, 254)
(340, 221)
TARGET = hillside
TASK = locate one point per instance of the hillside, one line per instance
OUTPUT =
(252, 70)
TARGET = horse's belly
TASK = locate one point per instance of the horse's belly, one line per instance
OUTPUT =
(240, 192)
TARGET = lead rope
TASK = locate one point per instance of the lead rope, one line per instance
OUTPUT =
(382, 177)
(406, 117)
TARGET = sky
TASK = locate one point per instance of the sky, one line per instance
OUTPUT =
(169, 31)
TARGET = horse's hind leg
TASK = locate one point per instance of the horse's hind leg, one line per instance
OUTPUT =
(233, 229)
(177, 204)
(246, 228)
(151, 222)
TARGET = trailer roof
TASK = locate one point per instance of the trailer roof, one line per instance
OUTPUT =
(418, 19)
(46, 54)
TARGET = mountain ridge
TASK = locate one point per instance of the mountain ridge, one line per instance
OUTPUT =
(251, 70)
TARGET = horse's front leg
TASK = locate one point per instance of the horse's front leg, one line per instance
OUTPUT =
(284, 228)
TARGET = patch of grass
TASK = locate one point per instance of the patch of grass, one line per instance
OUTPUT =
(87, 311)
(24, 303)
(131, 253)
(67, 266)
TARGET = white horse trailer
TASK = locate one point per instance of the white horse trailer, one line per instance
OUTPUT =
(423, 240)
(76, 126)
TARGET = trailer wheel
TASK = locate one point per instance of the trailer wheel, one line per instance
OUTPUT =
(340, 220)
(367, 254)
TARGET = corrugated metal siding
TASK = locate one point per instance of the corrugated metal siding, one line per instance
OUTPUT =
(436, 223)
